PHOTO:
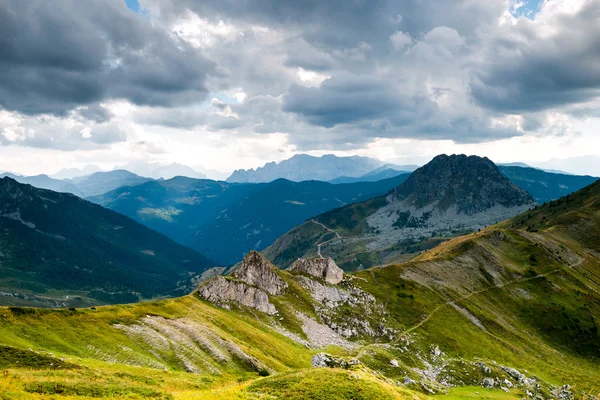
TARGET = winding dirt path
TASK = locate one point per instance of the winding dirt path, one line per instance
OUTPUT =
(328, 229)
(498, 286)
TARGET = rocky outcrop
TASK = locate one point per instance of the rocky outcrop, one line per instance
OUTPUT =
(324, 268)
(325, 360)
(255, 270)
(222, 292)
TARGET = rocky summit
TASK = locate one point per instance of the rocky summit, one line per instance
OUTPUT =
(222, 292)
(450, 195)
(324, 268)
(247, 286)
(469, 184)
(257, 271)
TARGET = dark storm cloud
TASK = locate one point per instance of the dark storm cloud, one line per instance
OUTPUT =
(95, 113)
(343, 23)
(526, 71)
(56, 55)
(347, 98)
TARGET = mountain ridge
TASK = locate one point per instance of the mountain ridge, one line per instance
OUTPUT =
(448, 196)
(509, 312)
(58, 249)
(226, 220)
(303, 167)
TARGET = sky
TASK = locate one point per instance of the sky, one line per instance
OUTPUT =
(224, 84)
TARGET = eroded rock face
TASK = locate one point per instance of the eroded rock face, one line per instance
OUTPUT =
(257, 271)
(324, 268)
(222, 291)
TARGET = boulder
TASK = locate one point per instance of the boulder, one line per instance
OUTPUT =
(324, 360)
(255, 270)
(488, 383)
(222, 291)
(324, 268)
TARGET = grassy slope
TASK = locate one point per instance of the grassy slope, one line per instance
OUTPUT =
(65, 246)
(536, 296)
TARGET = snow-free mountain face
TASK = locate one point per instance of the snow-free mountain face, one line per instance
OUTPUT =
(449, 195)
(543, 185)
(46, 182)
(102, 182)
(226, 220)
(82, 186)
(510, 312)
(57, 249)
(303, 167)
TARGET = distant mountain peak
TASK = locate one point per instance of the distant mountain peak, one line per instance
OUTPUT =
(471, 183)
(303, 167)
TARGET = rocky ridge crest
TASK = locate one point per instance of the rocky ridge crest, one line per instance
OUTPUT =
(324, 268)
(257, 271)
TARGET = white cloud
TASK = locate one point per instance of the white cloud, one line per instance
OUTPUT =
(390, 79)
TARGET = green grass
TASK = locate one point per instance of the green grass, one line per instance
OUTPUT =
(327, 384)
(506, 296)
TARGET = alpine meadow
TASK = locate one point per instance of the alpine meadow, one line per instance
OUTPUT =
(299, 200)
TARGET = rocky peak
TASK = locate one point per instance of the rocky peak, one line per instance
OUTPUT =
(472, 184)
(324, 268)
(222, 291)
(257, 271)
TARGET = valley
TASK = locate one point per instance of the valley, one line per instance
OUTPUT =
(509, 311)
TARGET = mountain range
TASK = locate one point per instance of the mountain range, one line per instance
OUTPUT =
(303, 167)
(59, 250)
(226, 220)
(545, 186)
(450, 195)
(82, 186)
(509, 312)
(161, 171)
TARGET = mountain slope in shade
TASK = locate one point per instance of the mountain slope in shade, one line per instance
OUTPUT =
(82, 186)
(226, 220)
(545, 186)
(45, 182)
(510, 312)
(303, 167)
(447, 196)
(372, 176)
(57, 249)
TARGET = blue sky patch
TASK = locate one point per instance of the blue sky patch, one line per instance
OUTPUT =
(133, 5)
(525, 8)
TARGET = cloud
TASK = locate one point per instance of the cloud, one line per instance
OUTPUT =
(58, 55)
(347, 98)
(540, 64)
(94, 112)
(52, 132)
(318, 75)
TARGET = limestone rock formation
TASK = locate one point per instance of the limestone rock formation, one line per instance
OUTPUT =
(255, 270)
(324, 268)
(222, 291)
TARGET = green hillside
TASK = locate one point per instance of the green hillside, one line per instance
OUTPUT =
(449, 196)
(545, 186)
(226, 220)
(510, 312)
(59, 250)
